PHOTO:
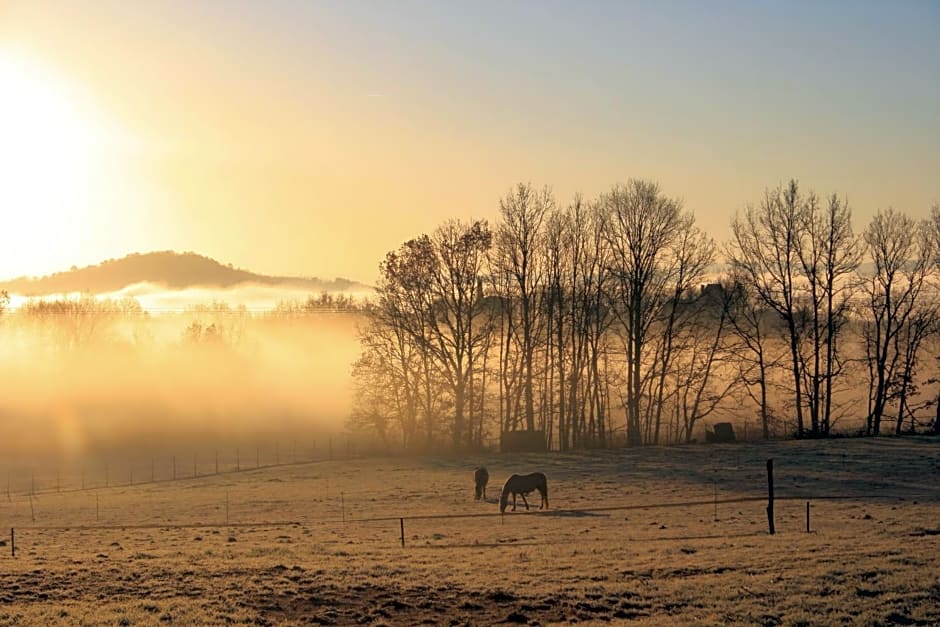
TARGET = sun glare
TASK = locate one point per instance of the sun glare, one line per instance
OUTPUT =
(50, 144)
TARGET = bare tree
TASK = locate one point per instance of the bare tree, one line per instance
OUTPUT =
(901, 255)
(645, 227)
(764, 251)
(829, 257)
(750, 322)
(518, 242)
(694, 252)
(704, 372)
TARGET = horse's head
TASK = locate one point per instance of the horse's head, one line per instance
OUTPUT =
(503, 500)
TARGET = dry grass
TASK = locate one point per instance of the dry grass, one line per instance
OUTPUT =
(871, 559)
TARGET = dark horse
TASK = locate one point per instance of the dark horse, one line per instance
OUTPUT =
(522, 485)
(480, 478)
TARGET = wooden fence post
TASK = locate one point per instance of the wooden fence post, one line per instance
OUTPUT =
(807, 516)
(402, 522)
(12, 543)
(770, 495)
(716, 501)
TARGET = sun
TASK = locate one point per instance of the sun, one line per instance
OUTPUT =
(50, 143)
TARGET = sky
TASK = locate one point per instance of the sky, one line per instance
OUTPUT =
(310, 138)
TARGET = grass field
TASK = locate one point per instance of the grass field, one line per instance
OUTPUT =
(303, 544)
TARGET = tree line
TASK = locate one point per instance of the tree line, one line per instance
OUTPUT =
(617, 320)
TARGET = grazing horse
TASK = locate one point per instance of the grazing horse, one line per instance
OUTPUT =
(480, 478)
(522, 485)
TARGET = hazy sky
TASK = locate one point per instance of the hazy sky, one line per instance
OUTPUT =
(310, 137)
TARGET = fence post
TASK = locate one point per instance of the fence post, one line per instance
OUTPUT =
(716, 501)
(12, 543)
(770, 495)
(807, 516)
(402, 522)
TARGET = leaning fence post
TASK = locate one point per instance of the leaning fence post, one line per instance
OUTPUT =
(770, 495)
(807, 516)
(402, 522)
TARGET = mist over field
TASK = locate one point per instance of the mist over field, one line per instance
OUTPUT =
(165, 369)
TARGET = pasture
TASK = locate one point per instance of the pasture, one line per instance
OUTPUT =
(321, 542)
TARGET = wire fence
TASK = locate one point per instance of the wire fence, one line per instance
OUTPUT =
(347, 518)
(124, 473)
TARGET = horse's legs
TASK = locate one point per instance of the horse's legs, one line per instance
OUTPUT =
(544, 493)
(513, 501)
(524, 501)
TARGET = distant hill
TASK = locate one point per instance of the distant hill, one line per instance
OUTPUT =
(170, 269)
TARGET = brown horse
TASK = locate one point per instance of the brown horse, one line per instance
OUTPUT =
(522, 485)
(480, 478)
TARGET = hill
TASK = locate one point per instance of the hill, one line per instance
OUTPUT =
(171, 269)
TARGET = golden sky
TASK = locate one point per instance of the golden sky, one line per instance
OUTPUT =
(310, 138)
